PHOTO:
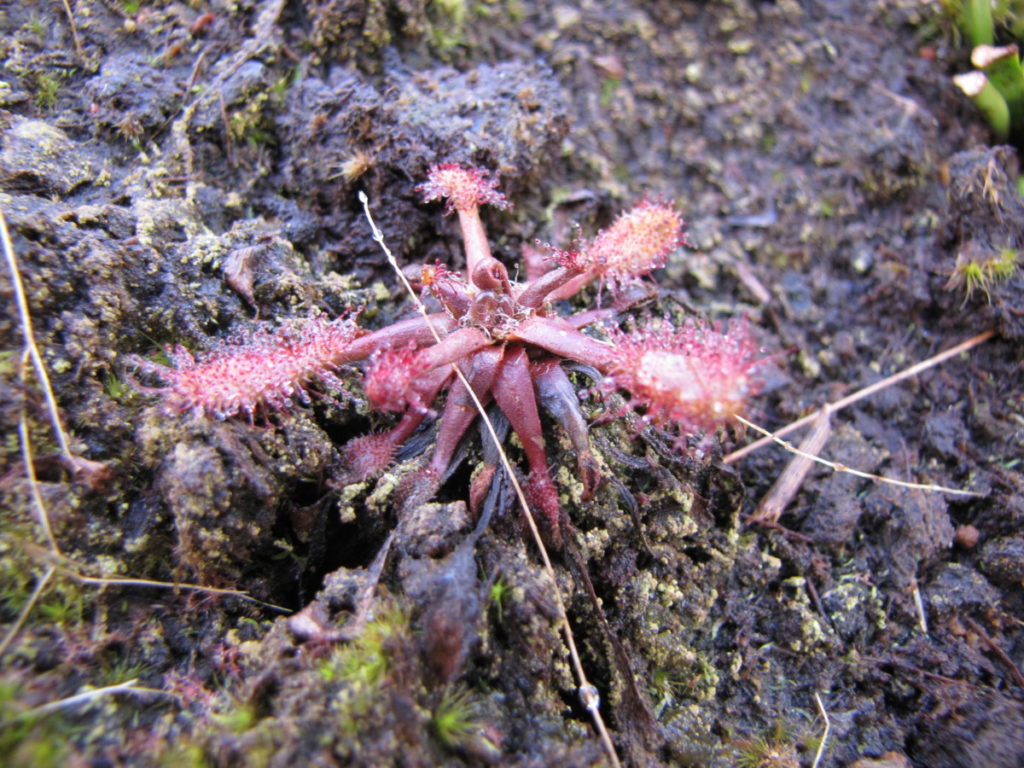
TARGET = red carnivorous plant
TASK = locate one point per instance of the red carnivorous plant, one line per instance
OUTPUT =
(509, 342)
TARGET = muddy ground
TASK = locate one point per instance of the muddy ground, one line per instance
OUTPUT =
(174, 172)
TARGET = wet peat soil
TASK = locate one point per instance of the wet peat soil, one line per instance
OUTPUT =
(174, 172)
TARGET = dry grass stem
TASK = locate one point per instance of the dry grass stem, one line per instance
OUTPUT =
(42, 515)
(835, 466)
(860, 395)
(25, 319)
(1018, 676)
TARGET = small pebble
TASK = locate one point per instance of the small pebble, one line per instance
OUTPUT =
(967, 536)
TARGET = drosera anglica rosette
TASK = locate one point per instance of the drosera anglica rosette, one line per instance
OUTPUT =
(509, 341)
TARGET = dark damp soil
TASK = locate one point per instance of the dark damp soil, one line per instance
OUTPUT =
(186, 169)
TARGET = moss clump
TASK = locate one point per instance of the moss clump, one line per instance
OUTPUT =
(456, 718)
(47, 89)
(979, 273)
(773, 749)
(364, 662)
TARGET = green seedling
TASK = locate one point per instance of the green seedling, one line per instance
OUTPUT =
(499, 591)
(976, 21)
(1002, 67)
(988, 100)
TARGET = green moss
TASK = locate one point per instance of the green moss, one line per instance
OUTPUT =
(237, 720)
(117, 668)
(183, 754)
(1004, 264)
(63, 604)
(608, 88)
(981, 274)
(448, 24)
(359, 677)
(456, 718)
(258, 734)
(251, 122)
(667, 688)
(768, 750)
(115, 388)
(47, 91)
(36, 25)
(973, 277)
(365, 661)
(62, 607)
(26, 739)
(279, 90)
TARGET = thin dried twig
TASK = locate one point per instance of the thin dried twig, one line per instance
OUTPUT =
(903, 665)
(128, 686)
(42, 515)
(364, 602)
(30, 344)
(836, 466)
(107, 581)
(74, 29)
(824, 736)
(26, 609)
(860, 395)
(1018, 676)
(73, 570)
(588, 694)
(922, 617)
